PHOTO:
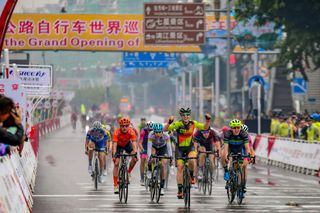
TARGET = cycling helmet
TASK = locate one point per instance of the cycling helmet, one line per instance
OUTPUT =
(184, 110)
(157, 127)
(124, 121)
(149, 124)
(244, 127)
(97, 125)
(235, 123)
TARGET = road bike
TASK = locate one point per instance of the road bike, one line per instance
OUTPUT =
(96, 170)
(235, 185)
(155, 181)
(123, 177)
(186, 181)
(205, 184)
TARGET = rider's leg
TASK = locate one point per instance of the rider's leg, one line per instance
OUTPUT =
(142, 165)
(180, 175)
(163, 172)
(202, 157)
(245, 171)
(212, 162)
(115, 171)
(91, 147)
(192, 163)
(101, 161)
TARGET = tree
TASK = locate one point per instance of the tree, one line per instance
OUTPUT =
(298, 19)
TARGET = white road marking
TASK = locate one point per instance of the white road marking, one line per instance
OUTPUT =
(192, 196)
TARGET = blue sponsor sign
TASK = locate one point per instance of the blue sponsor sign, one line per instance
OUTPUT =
(300, 86)
(145, 64)
(148, 59)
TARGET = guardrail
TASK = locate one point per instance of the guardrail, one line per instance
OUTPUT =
(294, 155)
(18, 172)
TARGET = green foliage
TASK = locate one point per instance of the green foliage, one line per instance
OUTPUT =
(300, 20)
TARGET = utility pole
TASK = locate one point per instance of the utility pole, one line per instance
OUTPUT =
(200, 92)
(217, 12)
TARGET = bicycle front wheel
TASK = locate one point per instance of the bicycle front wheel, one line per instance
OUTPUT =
(121, 181)
(210, 182)
(186, 188)
(96, 174)
(240, 185)
(231, 187)
(157, 185)
(205, 180)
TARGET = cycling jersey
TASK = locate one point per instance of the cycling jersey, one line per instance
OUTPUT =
(236, 142)
(185, 131)
(144, 137)
(99, 137)
(159, 143)
(206, 142)
(122, 139)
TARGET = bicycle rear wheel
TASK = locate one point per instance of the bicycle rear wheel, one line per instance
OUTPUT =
(186, 189)
(240, 185)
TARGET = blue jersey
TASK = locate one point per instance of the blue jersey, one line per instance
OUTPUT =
(99, 137)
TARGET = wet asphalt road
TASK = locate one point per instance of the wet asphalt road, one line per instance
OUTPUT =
(63, 185)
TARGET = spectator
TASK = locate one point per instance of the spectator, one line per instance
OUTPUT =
(10, 118)
(312, 131)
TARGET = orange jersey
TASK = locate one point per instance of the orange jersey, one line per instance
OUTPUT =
(122, 139)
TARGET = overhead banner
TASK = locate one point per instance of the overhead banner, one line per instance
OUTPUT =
(88, 32)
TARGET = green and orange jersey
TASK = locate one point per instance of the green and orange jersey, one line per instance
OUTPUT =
(185, 131)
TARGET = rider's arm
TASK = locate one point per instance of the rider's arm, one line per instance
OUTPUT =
(174, 125)
(169, 149)
(226, 145)
(134, 140)
(149, 147)
(246, 143)
(114, 142)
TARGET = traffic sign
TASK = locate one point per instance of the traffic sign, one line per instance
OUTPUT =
(299, 86)
(172, 23)
(145, 64)
(147, 59)
(148, 56)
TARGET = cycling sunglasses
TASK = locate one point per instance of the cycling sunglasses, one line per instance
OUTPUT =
(237, 127)
(205, 132)
(124, 126)
(185, 114)
(157, 132)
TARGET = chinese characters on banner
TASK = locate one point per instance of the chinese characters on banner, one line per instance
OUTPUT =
(92, 32)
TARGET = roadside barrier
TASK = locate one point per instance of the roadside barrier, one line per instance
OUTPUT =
(294, 155)
(18, 172)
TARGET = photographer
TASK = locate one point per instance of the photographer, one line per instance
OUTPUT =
(11, 129)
